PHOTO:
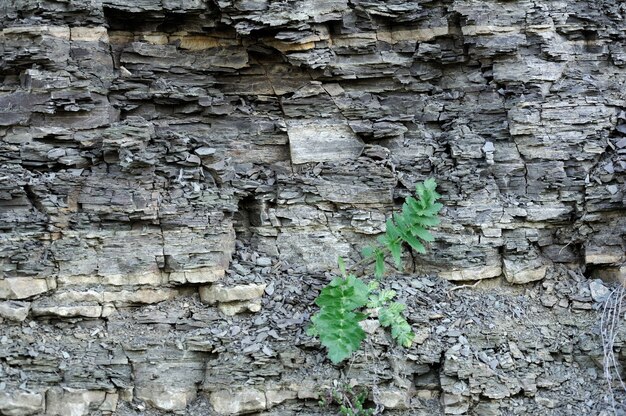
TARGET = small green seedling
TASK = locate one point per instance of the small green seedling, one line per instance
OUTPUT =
(351, 401)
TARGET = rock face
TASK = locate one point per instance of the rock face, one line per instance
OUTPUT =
(156, 154)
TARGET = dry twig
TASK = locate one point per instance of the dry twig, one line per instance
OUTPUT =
(609, 325)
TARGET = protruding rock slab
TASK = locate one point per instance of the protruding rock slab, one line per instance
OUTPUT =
(14, 311)
(204, 275)
(21, 403)
(74, 402)
(472, 273)
(233, 308)
(169, 382)
(392, 398)
(87, 311)
(316, 250)
(322, 141)
(522, 269)
(22, 287)
(596, 254)
(219, 293)
(166, 397)
(599, 292)
(235, 299)
(455, 404)
(226, 402)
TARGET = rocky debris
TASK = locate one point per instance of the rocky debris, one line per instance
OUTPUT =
(477, 350)
(599, 292)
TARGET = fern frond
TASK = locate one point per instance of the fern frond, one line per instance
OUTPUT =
(337, 323)
(380, 299)
(391, 316)
(409, 226)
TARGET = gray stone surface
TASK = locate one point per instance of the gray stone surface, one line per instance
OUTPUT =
(14, 311)
(18, 403)
(151, 150)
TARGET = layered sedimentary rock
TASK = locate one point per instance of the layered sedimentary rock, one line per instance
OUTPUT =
(222, 154)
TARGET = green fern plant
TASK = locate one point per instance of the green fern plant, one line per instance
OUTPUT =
(347, 299)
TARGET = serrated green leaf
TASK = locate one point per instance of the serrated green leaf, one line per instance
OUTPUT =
(337, 322)
(422, 233)
(378, 300)
(391, 230)
(337, 281)
(405, 338)
(401, 223)
(327, 321)
(407, 211)
(348, 294)
(339, 350)
(360, 294)
(395, 248)
(430, 184)
(427, 221)
(367, 251)
(374, 302)
(420, 191)
(360, 316)
(332, 296)
(387, 295)
(397, 308)
(342, 338)
(385, 317)
(399, 327)
(417, 207)
(414, 243)
(411, 211)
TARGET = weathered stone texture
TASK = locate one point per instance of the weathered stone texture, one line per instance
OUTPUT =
(158, 150)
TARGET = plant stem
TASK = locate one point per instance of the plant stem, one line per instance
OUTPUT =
(364, 261)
